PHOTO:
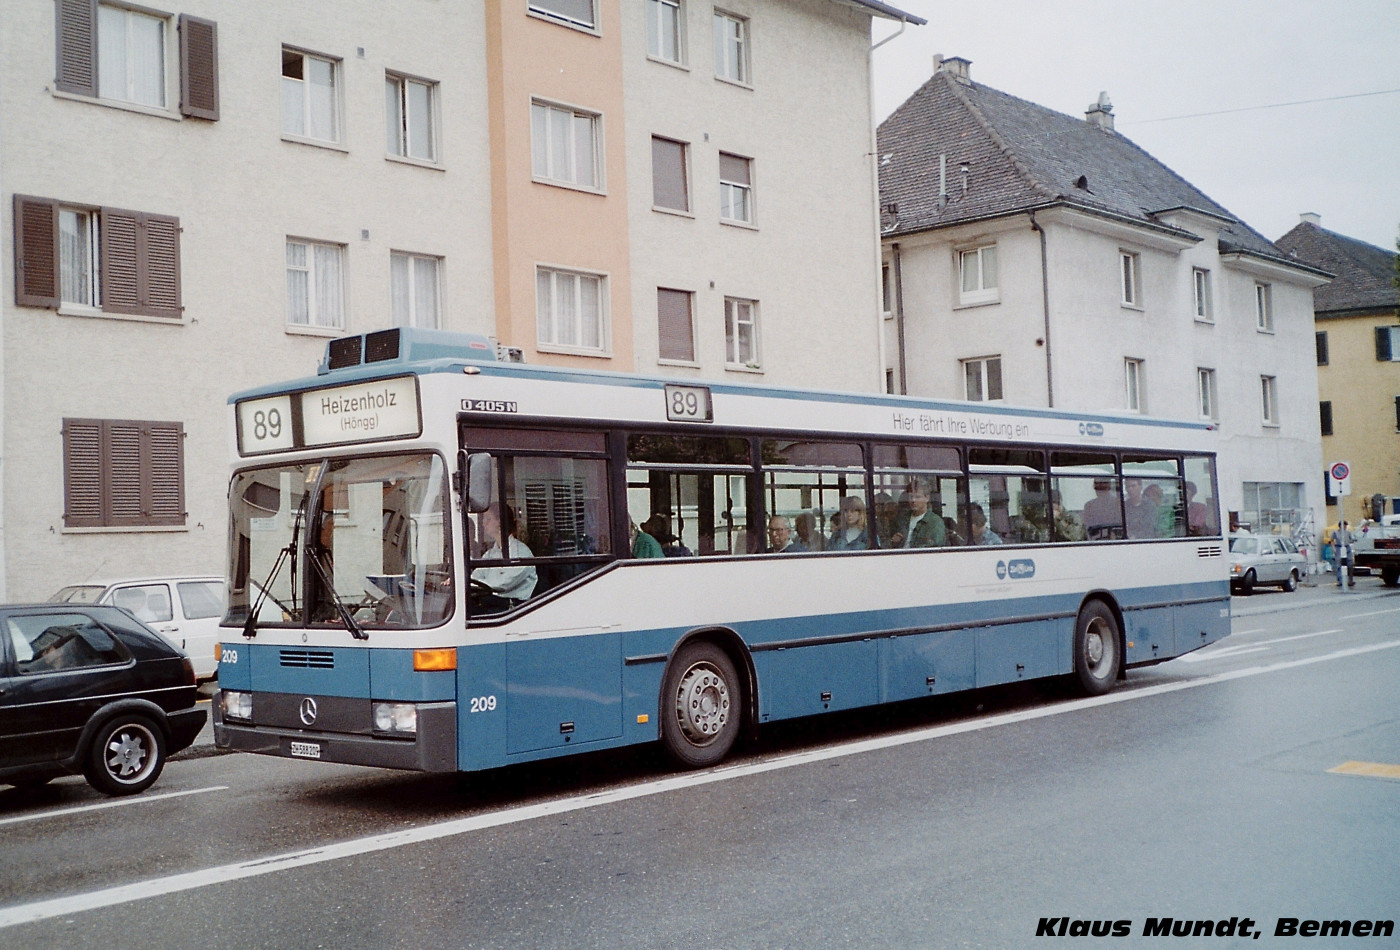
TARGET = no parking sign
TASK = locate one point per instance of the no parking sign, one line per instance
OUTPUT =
(1341, 478)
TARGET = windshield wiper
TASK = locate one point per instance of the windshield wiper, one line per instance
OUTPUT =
(250, 625)
(314, 556)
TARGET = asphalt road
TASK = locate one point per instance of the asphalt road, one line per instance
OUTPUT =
(1202, 789)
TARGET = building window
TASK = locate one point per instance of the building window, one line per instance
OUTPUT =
(315, 284)
(130, 56)
(123, 262)
(664, 24)
(415, 295)
(120, 473)
(410, 107)
(670, 185)
(741, 332)
(1268, 391)
(1324, 412)
(982, 378)
(1322, 355)
(310, 96)
(1200, 282)
(121, 55)
(977, 270)
(570, 309)
(1264, 308)
(1132, 377)
(735, 189)
(1388, 344)
(886, 291)
(573, 12)
(565, 144)
(1206, 393)
(675, 324)
(1130, 264)
(731, 48)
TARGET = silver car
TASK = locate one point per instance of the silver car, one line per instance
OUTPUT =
(1257, 560)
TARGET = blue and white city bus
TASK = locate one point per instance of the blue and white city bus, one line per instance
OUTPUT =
(442, 561)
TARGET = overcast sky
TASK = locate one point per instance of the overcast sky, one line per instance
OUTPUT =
(1158, 60)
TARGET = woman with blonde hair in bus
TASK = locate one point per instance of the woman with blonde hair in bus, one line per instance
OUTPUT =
(849, 531)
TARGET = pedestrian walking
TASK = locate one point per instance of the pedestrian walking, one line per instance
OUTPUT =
(1341, 551)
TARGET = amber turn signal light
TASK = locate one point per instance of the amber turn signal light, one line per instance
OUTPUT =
(429, 661)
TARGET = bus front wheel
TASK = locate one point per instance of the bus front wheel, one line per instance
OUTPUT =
(700, 706)
(1097, 656)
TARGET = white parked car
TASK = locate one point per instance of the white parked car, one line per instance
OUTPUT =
(1265, 560)
(186, 610)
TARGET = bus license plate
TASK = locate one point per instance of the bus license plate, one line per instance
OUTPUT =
(305, 750)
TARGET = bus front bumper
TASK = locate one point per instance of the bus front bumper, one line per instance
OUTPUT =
(432, 749)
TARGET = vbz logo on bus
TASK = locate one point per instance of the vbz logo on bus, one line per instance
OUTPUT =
(1019, 569)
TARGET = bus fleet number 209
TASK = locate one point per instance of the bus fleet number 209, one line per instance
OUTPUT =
(483, 704)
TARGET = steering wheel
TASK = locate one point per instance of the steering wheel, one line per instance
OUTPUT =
(481, 588)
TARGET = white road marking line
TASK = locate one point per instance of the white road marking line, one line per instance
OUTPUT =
(1209, 653)
(114, 803)
(1245, 633)
(192, 880)
(1374, 613)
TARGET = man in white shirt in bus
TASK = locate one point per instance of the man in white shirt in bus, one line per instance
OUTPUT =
(511, 584)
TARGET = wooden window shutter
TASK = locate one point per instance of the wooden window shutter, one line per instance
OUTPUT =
(199, 68)
(140, 263)
(82, 473)
(123, 473)
(36, 252)
(77, 47)
(675, 330)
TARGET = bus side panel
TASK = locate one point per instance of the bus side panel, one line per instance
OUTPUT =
(1020, 651)
(563, 691)
(641, 685)
(925, 664)
(1150, 634)
(1200, 624)
(482, 709)
(801, 681)
(392, 677)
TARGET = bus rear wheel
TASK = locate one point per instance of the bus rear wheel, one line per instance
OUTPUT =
(1097, 657)
(700, 707)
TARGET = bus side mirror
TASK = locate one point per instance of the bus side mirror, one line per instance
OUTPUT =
(478, 482)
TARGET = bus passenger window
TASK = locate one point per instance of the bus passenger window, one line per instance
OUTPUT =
(919, 490)
(1008, 495)
(1086, 485)
(694, 491)
(1202, 508)
(805, 485)
(1154, 504)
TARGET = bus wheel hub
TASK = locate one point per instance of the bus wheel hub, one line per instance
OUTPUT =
(702, 704)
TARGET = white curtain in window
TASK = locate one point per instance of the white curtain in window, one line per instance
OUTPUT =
(320, 86)
(329, 285)
(147, 60)
(393, 118)
(111, 53)
(560, 145)
(420, 120)
(75, 257)
(566, 301)
(544, 305)
(589, 312)
(425, 292)
(400, 290)
(298, 285)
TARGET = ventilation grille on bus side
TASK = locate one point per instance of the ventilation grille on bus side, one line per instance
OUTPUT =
(1209, 550)
(309, 659)
(382, 345)
(345, 352)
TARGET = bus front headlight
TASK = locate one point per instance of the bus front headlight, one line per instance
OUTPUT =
(396, 718)
(236, 705)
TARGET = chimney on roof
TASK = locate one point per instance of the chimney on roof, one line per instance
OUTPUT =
(1101, 113)
(955, 66)
(1310, 217)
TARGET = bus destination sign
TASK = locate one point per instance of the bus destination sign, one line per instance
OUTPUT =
(361, 412)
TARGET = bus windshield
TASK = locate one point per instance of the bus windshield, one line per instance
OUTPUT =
(364, 537)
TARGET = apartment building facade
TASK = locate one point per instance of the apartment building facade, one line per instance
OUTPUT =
(199, 197)
(1357, 338)
(1040, 259)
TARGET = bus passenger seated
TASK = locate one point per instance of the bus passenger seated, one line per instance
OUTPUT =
(780, 539)
(1198, 519)
(508, 586)
(808, 536)
(1103, 518)
(849, 531)
(919, 527)
(1140, 513)
(982, 536)
(1068, 527)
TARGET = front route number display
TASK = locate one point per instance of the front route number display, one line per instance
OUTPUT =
(379, 409)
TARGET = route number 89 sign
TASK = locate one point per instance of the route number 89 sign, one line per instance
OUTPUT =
(689, 404)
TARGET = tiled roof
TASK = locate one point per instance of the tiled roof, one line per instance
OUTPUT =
(1021, 156)
(1365, 273)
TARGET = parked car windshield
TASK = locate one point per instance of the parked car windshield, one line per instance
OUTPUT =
(1244, 546)
(78, 594)
(370, 533)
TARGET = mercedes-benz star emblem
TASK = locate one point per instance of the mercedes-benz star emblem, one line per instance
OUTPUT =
(308, 710)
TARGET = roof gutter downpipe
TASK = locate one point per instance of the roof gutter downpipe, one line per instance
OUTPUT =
(899, 319)
(1045, 302)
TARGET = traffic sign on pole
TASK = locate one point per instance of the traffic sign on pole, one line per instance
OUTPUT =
(1341, 478)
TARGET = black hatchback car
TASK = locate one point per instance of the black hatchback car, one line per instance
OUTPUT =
(87, 689)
